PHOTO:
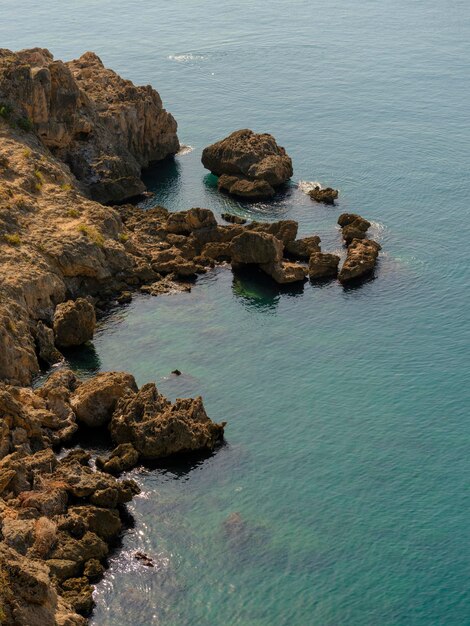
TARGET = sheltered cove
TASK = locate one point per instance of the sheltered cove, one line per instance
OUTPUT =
(74, 135)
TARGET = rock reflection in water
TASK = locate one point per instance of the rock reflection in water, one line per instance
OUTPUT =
(255, 289)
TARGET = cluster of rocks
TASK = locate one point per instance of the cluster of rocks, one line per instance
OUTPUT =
(58, 518)
(362, 253)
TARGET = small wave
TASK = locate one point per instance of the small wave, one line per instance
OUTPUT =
(308, 185)
(186, 58)
(185, 150)
(376, 231)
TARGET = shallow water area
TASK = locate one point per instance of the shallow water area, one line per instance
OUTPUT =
(341, 493)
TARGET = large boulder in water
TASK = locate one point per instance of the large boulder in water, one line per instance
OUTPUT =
(74, 322)
(361, 260)
(256, 247)
(249, 164)
(157, 429)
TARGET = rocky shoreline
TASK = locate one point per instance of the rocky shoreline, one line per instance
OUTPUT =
(72, 136)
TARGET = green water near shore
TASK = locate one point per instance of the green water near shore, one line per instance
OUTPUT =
(347, 444)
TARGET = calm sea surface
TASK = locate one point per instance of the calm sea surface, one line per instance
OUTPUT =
(342, 494)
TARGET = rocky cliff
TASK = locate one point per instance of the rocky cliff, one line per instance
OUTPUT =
(103, 127)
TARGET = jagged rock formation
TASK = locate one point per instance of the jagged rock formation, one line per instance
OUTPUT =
(104, 127)
(326, 195)
(360, 261)
(323, 265)
(157, 429)
(353, 226)
(249, 165)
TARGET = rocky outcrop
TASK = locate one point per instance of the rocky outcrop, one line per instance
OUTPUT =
(326, 195)
(95, 400)
(248, 164)
(27, 595)
(353, 226)
(233, 219)
(360, 261)
(157, 429)
(258, 248)
(285, 272)
(323, 265)
(303, 248)
(58, 517)
(74, 323)
(105, 128)
(123, 457)
(45, 343)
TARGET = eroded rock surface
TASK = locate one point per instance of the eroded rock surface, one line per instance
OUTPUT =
(156, 428)
(353, 226)
(323, 265)
(326, 195)
(248, 164)
(104, 127)
(74, 323)
(360, 261)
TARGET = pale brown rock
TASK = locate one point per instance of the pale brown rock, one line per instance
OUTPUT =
(244, 187)
(323, 265)
(256, 247)
(123, 457)
(353, 226)
(303, 248)
(233, 219)
(74, 322)
(103, 126)
(251, 165)
(157, 429)
(95, 400)
(360, 261)
(45, 341)
(285, 272)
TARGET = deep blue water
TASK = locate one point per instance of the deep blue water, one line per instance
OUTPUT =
(347, 455)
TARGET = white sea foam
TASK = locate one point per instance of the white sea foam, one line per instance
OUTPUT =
(376, 231)
(308, 185)
(185, 150)
(186, 58)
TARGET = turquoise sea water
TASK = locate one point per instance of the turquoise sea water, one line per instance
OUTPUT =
(347, 456)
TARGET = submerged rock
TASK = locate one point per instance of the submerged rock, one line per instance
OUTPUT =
(74, 322)
(360, 261)
(250, 165)
(326, 195)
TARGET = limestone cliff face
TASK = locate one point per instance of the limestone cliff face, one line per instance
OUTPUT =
(104, 127)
